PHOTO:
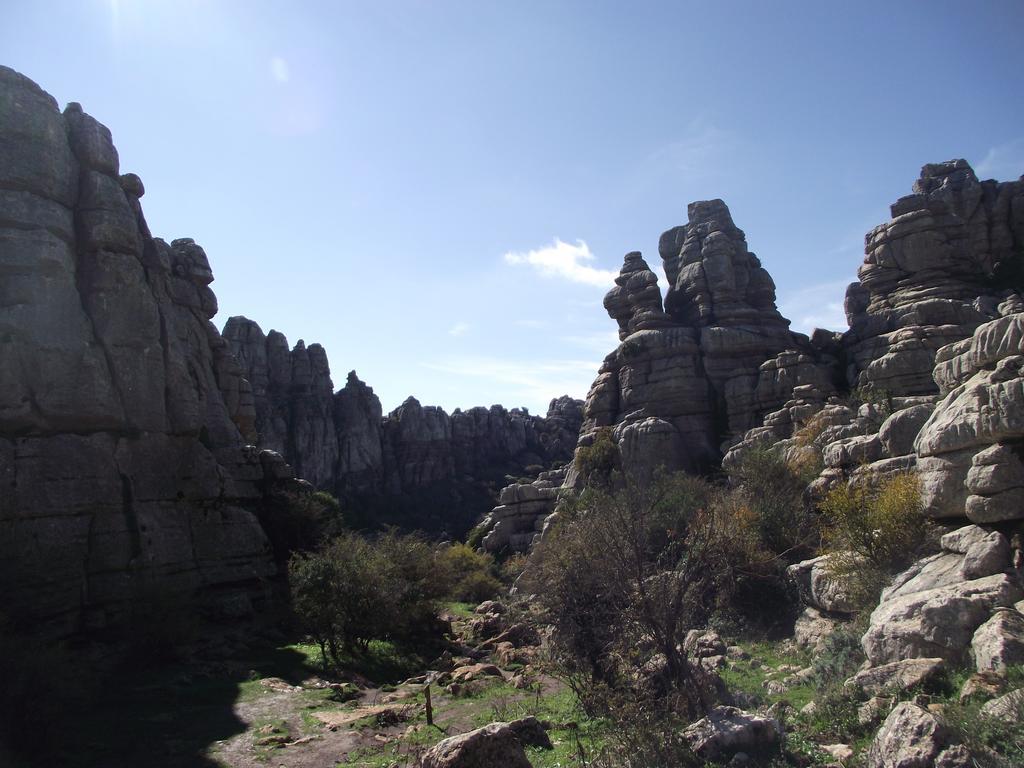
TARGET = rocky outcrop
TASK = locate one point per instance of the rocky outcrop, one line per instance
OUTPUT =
(969, 451)
(123, 415)
(933, 609)
(692, 376)
(522, 509)
(418, 465)
(293, 396)
(931, 275)
(934, 347)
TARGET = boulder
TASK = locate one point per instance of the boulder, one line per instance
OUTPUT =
(497, 744)
(897, 676)
(813, 628)
(818, 587)
(999, 642)
(910, 737)
(1009, 707)
(935, 623)
(700, 644)
(728, 730)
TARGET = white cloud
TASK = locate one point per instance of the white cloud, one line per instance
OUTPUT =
(279, 69)
(515, 382)
(816, 306)
(1004, 163)
(459, 329)
(567, 261)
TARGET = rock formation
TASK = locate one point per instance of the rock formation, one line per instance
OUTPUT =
(123, 416)
(690, 378)
(931, 275)
(934, 346)
(522, 509)
(418, 464)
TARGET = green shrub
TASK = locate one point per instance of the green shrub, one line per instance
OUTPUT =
(511, 568)
(868, 394)
(475, 537)
(356, 590)
(993, 742)
(468, 574)
(773, 491)
(597, 461)
(874, 531)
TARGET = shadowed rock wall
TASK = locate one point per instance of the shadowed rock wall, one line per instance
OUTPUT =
(419, 465)
(124, 471)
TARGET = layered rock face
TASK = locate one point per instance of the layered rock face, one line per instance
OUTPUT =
(416, 458)
(692, 376)
(931, 275)
(947, 268)
(969, 452)
(123, 416)
(522, 509)
(293, 396)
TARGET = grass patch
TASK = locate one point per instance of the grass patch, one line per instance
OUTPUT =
(459, 610)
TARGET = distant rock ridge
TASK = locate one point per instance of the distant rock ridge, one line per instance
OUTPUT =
(449, 465)
(126, 473)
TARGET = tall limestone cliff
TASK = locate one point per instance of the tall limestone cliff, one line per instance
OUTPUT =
(124, 419)
(689, 378)
(417, 465)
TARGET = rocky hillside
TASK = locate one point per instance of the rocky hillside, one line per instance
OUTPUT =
(695, 375)
(418, 465)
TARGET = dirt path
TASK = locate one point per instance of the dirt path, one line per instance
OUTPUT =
(301, 726)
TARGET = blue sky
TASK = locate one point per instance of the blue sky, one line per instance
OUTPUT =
(438, 192)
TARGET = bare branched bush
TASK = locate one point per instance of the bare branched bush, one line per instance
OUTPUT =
(623, 577)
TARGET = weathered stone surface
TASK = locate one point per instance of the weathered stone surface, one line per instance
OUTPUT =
(897, 675)
(999, 642)
(1009, 707)
(971, 445)
(635, 301)
(932, 609)
(818, 587)
(910, 737)
(689, 380)
(123, 461)
(931, 275)
(897, 432)
(813, 627)
(520, 515)
(728, 730)
(293, 396)
(497, 744)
